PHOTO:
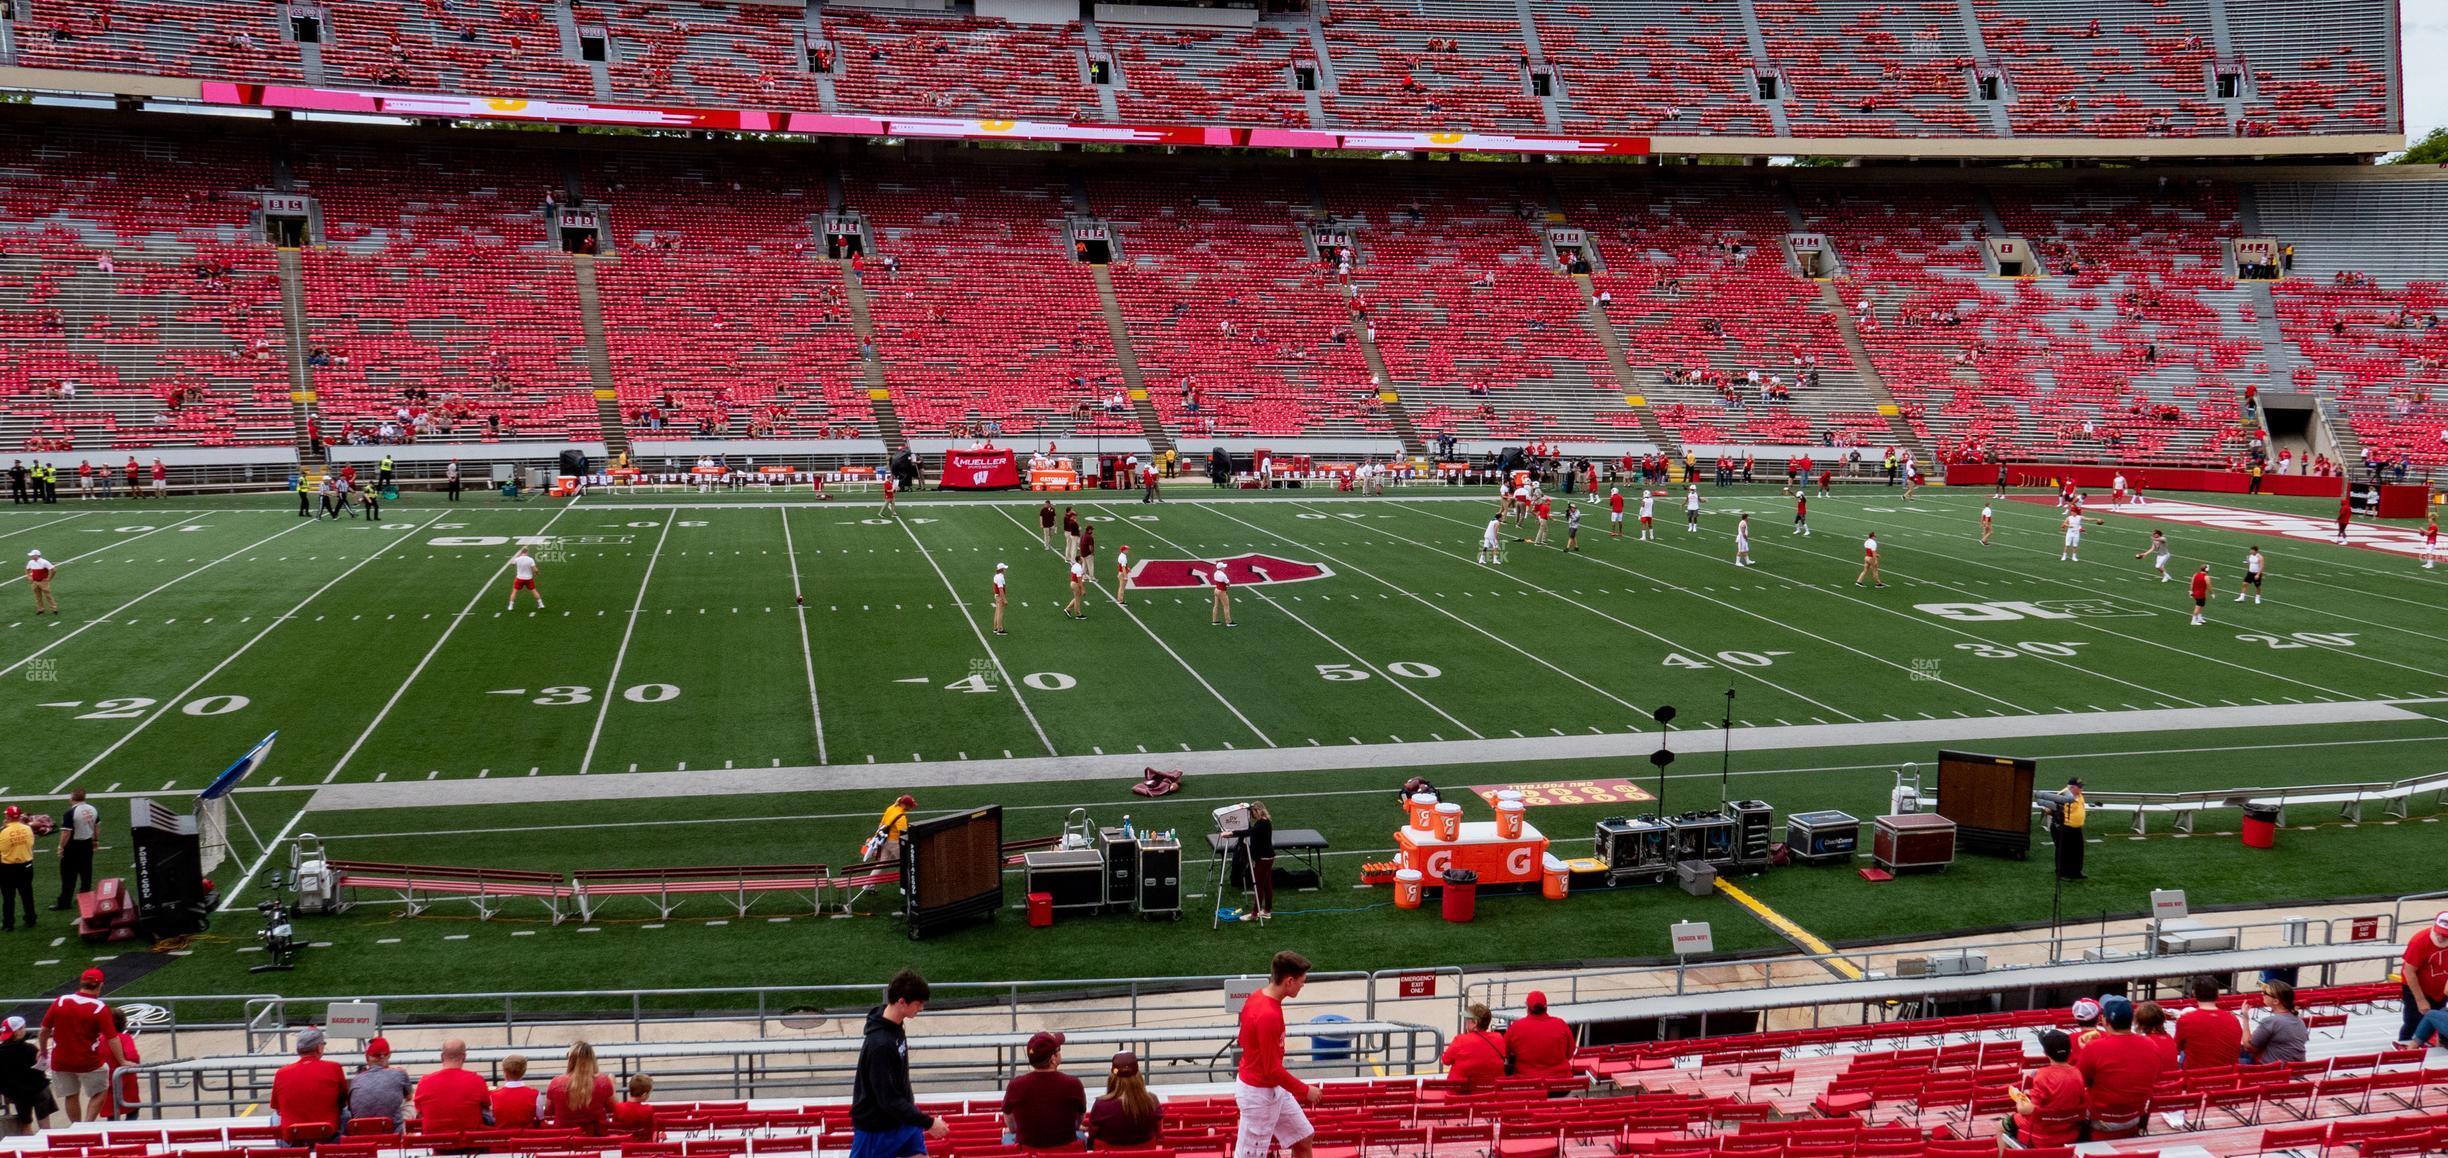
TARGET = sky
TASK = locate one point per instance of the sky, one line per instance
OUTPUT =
(2424, 24)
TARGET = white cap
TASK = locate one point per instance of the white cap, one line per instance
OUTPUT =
(36, 553)
(1002, 566)
(2439, 924)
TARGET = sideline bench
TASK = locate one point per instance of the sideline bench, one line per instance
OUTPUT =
(667, 888)
(858, 879)
(418, 886)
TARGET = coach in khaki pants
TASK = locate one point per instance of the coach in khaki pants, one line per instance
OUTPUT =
(38, 577)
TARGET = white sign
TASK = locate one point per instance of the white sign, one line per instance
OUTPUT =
(287, 204)
(1692, 938)
(2169, 904)
(1090, 233)
(356, 1019)
(1330, 238)
(579, 219)
(841, 228)
(1562, 237)
(1807, 242)
(2257, 250)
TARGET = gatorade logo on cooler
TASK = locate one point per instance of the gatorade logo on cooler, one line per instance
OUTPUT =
(1439, 861)
(1517, 862)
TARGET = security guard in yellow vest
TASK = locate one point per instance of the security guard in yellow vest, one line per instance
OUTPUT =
(382, 472)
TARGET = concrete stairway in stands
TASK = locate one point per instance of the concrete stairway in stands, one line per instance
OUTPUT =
(599, 355)
(879, 395)
(1159, 439)
(1600, 327)
(1396, 414)
(293, 350)
(1832, 300)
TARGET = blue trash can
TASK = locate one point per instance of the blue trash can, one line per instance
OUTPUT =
(1331, 1049)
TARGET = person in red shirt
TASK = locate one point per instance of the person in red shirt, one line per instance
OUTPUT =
(2049, 1100)
(451, 1100)
(581, 1098)
(1544, 510)
(634, 1118)
(1477, 1056)
(2208, 1037)
(515, 1104)
(82, 1039)
(1043, 1107)
(125, 1094)
(1539, 1044)
(1801, 514)
(2150, 1022)
(310, 1095)
(2120, 1068)
(2425, 975)
(2201, 593)
(1267, 1095)
(1614, 512)
(2345, 517)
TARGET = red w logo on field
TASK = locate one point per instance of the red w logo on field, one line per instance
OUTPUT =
(1243, 570)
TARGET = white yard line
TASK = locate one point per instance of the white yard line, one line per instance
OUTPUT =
(19, 577)
(44, 523)
(447, 631)
(1414, 596)
(1012, 684)
(2048, 576)
(243, 648)
(586, 763)
(1402, 686)
(1133, 616)
(807, 653)
(113, 613)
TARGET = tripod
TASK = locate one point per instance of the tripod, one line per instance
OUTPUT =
(1226, 853)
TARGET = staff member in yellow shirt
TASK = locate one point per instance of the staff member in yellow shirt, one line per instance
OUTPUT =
(16, 870)
(2066, 814)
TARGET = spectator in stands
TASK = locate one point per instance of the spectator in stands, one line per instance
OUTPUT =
(2425, 966)
(2120, 1068)
(634, 1118)
(380, 1090)
(451, 1100)
(1539, 1044)
(22, 1085)
(1128, 1115)
(2049, 1101)
(81, 1040)
(310, 1095)
(1477, 1056)
(2281, 1036)
(2206, 1037)
(1266, 1094)
(515, 1105)
(884, 1117)
(581, 1098)
(2150, 1023)
(1042, 1108)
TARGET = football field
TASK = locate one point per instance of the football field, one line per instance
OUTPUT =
(673, 655)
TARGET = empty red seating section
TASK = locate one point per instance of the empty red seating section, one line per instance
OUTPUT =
(722, 315)
(990, 318)
(138, 312)
(2382, 354)
(1861, 68)
(438, 275)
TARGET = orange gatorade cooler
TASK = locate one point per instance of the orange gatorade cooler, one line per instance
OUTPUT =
(1557, 879)
(1422, 809)
(1449, 822)
(1407, 888)
(1508, 819)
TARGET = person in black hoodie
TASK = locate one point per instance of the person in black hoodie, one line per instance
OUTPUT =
(23, 1086)
(884, 1117)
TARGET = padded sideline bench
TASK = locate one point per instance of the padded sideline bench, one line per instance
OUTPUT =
(666, 888)
(418, 886)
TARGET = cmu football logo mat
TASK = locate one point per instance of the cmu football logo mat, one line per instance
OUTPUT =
(1243, 570)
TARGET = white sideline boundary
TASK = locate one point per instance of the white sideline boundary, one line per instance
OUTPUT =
(1120, 766)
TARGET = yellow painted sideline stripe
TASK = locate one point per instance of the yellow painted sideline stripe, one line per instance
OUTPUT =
(1801, 936)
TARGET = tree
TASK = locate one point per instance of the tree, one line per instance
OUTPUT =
(2431, 150)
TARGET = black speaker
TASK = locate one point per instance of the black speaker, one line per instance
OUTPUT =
(574, 462)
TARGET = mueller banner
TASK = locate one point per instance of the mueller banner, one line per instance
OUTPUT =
(979, 470)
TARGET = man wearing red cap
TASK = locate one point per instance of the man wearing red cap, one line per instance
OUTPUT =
(451, 1100)
(1539, 1044)
(2426, 976)
(380, 1090)
(16, 870)
(1042, 1108)
(78, 1033)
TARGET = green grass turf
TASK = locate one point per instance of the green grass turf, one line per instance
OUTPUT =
(351, 640)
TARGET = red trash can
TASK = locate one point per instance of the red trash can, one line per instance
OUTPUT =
(1461, 899)
(2260, 826)
(1040, 910)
